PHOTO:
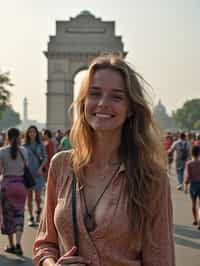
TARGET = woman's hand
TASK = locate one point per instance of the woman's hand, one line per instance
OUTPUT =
(70, 259)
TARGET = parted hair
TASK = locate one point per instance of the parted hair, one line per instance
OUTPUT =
(141, 149)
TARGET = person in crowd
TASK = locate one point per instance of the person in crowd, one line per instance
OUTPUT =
(192, 177)
(59, 136)
(197, 141)
(37, 159)
(13, 191)
(65, 143)
(168, 141)
(116, 173)
(55, 142)
(182, 149)
(50, 149)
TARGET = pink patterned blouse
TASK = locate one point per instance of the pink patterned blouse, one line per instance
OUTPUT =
(111, 243)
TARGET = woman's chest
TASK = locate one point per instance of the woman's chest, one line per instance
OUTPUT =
(106, 209)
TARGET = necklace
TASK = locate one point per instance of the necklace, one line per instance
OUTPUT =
(89, 219)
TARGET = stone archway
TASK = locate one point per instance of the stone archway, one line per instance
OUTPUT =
(73, 47)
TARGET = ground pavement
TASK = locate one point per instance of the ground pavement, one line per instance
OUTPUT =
(187, 237)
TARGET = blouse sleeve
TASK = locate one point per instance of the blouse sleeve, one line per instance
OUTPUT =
(159, 249)
(46, 242)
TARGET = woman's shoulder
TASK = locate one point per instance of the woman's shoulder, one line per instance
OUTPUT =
(60, 158)
(60, 166)
(4, 148)
(22, 148)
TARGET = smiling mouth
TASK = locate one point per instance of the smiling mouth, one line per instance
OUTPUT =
(104, 116)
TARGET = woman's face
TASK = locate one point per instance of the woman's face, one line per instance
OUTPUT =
(107, 103)
(32, 133)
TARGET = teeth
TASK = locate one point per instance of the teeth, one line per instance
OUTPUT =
(103, 115)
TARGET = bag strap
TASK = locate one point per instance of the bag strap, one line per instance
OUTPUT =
(35, 153)
(22, 156)
(74, 216)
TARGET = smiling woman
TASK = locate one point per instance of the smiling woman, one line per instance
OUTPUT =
(117, 165)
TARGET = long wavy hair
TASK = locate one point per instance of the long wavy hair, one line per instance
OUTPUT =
(13, 137)
(141, 148)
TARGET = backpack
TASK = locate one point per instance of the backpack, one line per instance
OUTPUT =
(183, 152)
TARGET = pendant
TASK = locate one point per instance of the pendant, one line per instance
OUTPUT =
(90, 223)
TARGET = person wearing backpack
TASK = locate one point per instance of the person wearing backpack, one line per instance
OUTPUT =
(181, 148)
(192, 179)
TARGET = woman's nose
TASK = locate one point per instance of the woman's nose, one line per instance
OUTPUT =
(103, 101)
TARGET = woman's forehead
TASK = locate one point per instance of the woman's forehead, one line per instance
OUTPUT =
(107, 77)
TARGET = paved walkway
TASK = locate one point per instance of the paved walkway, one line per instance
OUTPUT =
(187, 237)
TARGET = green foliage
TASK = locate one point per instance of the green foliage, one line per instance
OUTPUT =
(197, 125)
(10, 118)
(187, 116)
(5, 82)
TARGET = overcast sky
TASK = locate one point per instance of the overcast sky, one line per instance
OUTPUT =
(162, 38)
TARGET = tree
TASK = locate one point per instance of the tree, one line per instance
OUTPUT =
(4, 92)
(197, 125)
(188, 115)
(10, 118)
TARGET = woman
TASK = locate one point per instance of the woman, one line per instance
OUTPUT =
(13, 191)
(168, 141)
(50, 149)
(37, 159)
(124, 212)
(192, 177)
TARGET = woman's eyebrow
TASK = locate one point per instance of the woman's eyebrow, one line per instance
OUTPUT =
(113, 90)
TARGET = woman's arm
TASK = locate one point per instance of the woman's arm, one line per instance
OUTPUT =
(46, 243)
(44, 156)
(159, 249)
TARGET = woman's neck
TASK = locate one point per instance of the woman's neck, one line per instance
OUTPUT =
(32, 142)
(106, 150)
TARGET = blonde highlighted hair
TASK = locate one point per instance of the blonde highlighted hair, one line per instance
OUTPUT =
(141, 149)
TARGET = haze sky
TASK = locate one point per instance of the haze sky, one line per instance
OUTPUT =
(162, 38)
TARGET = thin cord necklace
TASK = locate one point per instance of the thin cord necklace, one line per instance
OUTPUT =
(89, 219)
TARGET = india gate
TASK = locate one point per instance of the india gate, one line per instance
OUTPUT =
(76, 42)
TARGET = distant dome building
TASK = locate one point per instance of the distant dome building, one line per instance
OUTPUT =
(160, 108)
(161, 116)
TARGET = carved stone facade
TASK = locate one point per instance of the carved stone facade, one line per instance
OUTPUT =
(73, 47)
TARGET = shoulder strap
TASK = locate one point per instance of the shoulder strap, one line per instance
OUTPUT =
(74, 217)
(22, 156)
(35, 153)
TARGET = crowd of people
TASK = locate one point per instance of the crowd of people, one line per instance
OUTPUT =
(34, 149)
(107, 199)
(184, 149)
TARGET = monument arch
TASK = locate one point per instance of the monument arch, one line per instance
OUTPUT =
(75, 44)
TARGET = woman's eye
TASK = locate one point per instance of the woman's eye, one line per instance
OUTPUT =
(117, 97)
(95, 93)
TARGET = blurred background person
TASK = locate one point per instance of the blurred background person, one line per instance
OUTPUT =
(37, 159)
(50, 149)
(65, 143)
(192, 177)
(13, 191)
